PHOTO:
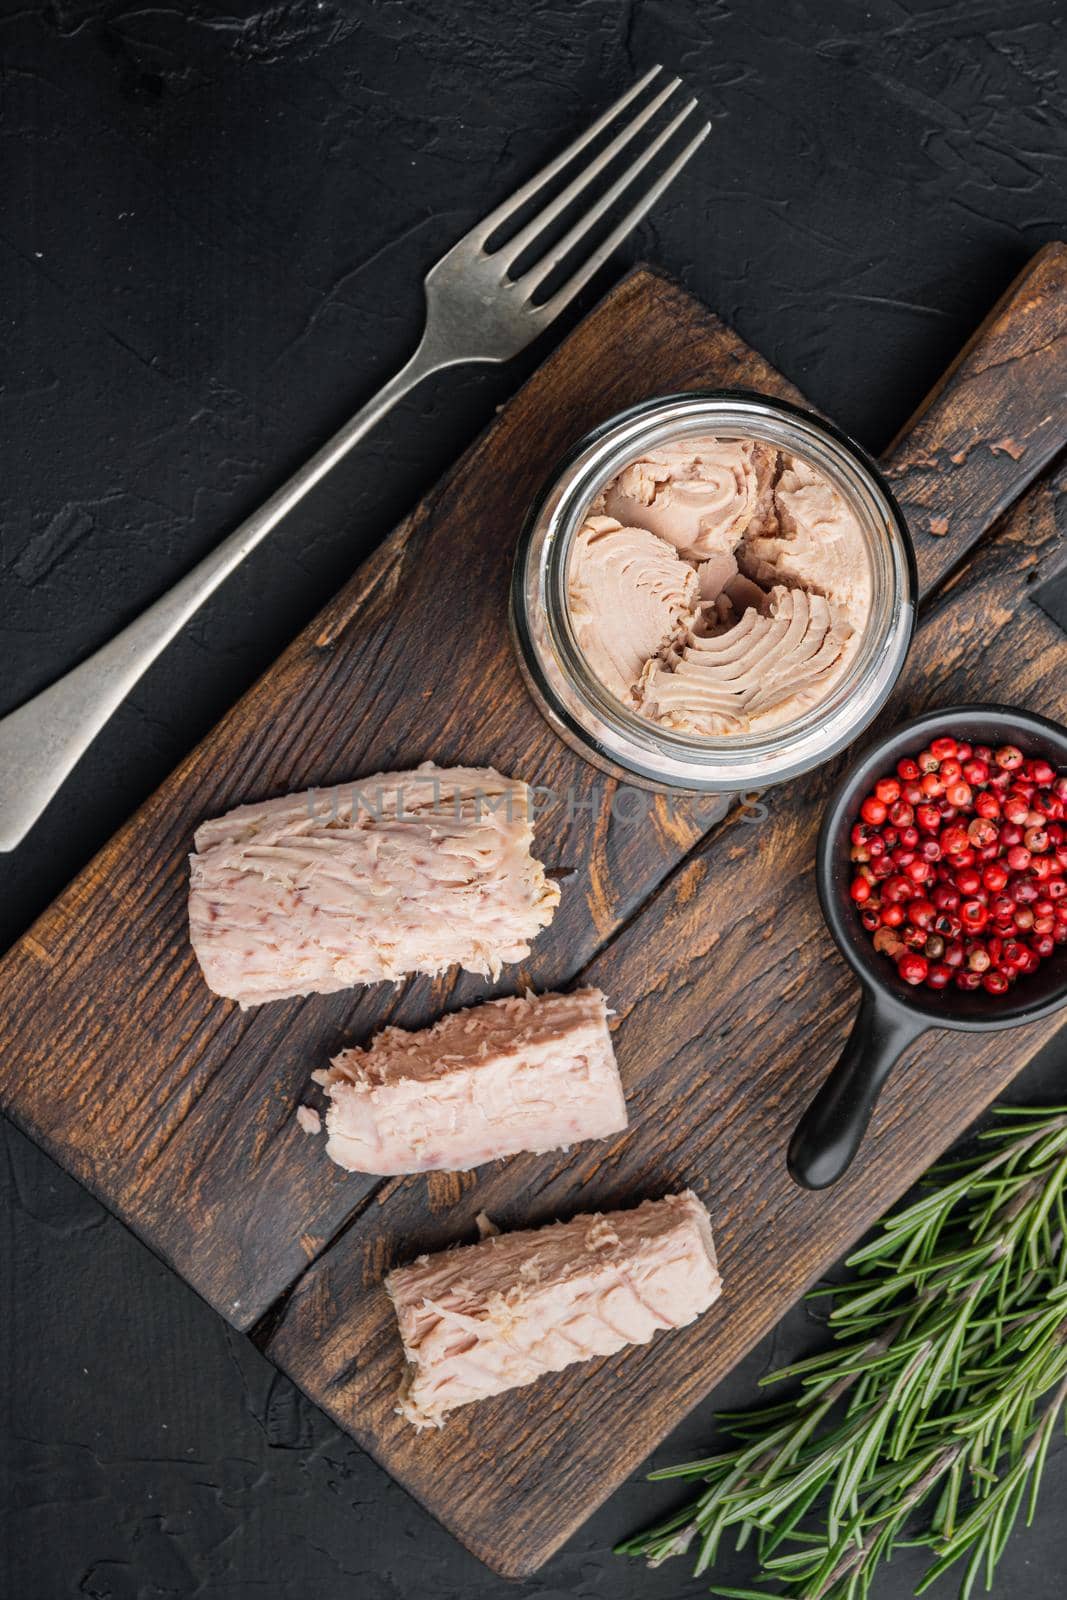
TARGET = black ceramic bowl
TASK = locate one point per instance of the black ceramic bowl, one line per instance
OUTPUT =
(892, 1013)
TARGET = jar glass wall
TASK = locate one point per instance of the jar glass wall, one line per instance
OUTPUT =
(617, 738)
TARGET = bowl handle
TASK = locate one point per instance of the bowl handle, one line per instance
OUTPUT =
(829, 1133)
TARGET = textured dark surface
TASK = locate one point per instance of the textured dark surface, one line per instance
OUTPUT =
(214, 224)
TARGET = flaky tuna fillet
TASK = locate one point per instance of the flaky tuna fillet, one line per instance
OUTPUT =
(629, 596)
(396, 873)
(518, 1074)
(769, 666)
(700, 494)
(500, 1314)
(714, 573)
(815, 543)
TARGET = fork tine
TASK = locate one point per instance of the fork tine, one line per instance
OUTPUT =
(513, 249)
(507, 207)
(562, 297)
(562, 248)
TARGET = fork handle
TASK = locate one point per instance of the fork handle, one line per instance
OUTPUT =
(42, 741)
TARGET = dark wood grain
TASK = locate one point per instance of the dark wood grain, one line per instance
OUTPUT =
(1020, 349)
(175, 1108)
(732, 1004)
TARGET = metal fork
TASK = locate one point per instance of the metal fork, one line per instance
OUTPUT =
(474, 312)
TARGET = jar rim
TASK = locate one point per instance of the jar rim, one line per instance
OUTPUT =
(587, 714)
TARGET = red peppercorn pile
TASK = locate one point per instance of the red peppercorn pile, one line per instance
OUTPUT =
(961, 865)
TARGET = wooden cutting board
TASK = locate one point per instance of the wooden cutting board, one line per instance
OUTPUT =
(176, 1109)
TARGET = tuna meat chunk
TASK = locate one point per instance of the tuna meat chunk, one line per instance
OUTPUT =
(700, 494)
(397, 873)
(518, 1074)
(629, 596)
(773, 666)
(816, 545)
(500, 1314)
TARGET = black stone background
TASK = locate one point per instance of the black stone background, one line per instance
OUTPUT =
(214, 224)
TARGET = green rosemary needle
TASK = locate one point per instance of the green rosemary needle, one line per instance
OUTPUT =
(929, 1419)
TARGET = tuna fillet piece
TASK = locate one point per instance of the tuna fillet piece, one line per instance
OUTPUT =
(816, 544)
(767, 666)
(700, 494)
(396, 873)
(518, 1074)
(500, 1314)
(629, 597)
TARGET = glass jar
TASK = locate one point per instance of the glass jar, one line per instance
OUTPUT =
(621, 742)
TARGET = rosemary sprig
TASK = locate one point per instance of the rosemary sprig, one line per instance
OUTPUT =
(939, 1396)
